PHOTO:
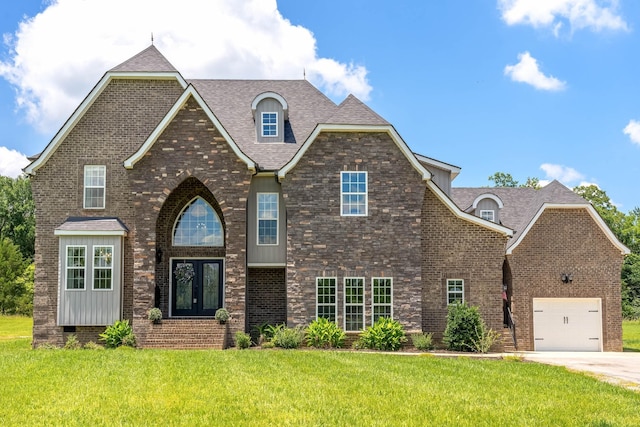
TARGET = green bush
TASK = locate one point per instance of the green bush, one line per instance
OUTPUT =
(423, 342)
(222, 315)
(288, 337)
(386, 334)
(466, 331)
(155, 314)
(72, 343)
(118, 334)
(322, 333)
(243, 340)
(93, 346)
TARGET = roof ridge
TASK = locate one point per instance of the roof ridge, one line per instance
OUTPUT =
(148, 60)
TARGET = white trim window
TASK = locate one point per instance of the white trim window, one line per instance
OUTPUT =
(103, 268)
(353, 193)
(267, 218)
(455, 291)
(353, 303)
(326, 300)
(489, 215)
(382, 298)
(75, 268)
(94, 186)
(269, 124)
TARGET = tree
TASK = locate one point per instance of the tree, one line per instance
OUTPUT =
(631, 287)
(17, 219)
(614, 219)
(501, 179)
(12, 267)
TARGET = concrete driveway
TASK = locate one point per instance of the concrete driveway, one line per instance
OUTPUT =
(618, 368)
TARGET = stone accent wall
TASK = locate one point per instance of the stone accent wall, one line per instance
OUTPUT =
(111, 130)
(266, 297)
(385, 243)
(454, 248)
(566, 241)
(190, 152)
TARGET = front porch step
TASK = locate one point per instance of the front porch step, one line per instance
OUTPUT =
(507, 341)
(186, 334)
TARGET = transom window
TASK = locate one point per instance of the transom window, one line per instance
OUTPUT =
(198, 225)
(269, 124)
(455, 291)
(267, 218)
(353, 191)
(76, 267)
(326, 298)
(102, 267)
(489, 215)
(94, 186)
(353, 303)
(382, 304)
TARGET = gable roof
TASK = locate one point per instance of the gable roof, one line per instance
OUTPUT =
(149, 60)
(524, 205)
(352, 111)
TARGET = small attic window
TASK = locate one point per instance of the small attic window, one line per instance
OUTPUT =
(270, 111)
(270, 124)
(489, 215)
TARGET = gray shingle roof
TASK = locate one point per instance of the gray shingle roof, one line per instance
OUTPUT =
(149, 60)
(352, 111)
(82, 224)
(520, 204)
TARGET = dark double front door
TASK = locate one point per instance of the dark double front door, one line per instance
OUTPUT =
(201, 295)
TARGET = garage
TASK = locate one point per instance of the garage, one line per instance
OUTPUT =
(567, 324)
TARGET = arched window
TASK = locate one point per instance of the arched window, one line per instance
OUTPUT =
(198, 225)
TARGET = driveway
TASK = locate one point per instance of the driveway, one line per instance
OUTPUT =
(618, 368)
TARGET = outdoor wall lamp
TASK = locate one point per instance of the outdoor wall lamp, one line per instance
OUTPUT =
(159, 255)
(566, 277)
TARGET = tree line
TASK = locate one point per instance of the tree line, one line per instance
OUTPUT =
(626, 228)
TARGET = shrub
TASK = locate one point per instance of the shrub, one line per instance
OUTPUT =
(486, 338)
(423, 342)
(72, 343)
(386, 334)
(93, 346)
(129, 340)
(243, 340)
(155, 315)
(114, 335)
(288, 337)
(268, 344)
(222, 315)
(466, 330)
(322, 333)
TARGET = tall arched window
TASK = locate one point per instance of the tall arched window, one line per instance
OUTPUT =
(198, 225)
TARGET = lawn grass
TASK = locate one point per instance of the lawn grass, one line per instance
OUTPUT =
(631, 335)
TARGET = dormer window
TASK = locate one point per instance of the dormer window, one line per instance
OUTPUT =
(270, 112)
(487, 206)
(489, 215)
(270, 124)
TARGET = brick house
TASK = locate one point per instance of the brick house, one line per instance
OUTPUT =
(265, 197)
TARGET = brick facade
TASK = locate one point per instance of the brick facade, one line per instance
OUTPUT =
(566, 241)
(266, 297)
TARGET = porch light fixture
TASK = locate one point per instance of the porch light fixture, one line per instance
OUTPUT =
(566, 278)
(159, 255)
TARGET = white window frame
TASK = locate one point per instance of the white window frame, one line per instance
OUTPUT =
(379, 304)
(94, 268)
(488, 214)
(325, 304)
(344, 193)
(67, 268)
(460, 293)
(86, 186)
(270, 125)
(348, 304)
(276, 219)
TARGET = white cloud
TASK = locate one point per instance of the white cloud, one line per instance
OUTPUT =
(12, 162)
(58, 55)
(596, 15)
(527, 71)
(633, 130)
(566, 175)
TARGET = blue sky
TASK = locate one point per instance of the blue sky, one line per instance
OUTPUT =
(545, 89)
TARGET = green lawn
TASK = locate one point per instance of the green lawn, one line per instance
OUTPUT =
(631, 335)
(277, 387)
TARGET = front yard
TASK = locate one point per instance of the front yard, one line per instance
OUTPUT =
(280, 387)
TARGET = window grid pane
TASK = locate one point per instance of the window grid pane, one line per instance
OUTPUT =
(488, 215)
(269, 124)
(354, 193)
(326, 298)
(102, 267)
(455, 291)
(353, 303)
(198, 225)
(382, 290)
(267, 218)
(76, 262)
(94, 186)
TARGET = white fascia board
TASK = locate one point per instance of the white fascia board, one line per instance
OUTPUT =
(122, 233)
(189, 91)
(455, 170)
(590, 209)
(84, 106)
(426, 175)
(467, 216)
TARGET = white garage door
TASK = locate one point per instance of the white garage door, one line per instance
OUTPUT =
(567, 324)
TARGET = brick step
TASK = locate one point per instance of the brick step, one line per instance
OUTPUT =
(507, 341)
(186, 334)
